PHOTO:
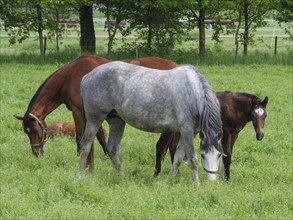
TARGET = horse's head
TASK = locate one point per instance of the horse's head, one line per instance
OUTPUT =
(210, 151)
(35, 130)
(258, 116)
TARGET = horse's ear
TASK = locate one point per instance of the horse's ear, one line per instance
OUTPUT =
(254, 101)
(201, 134)
(265, 101)
(18, 117)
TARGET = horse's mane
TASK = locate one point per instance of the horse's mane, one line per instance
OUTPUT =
(251, 96)
(41, 87)
(210, 119)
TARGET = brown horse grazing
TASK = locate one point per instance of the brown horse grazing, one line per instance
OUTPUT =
(237, 109)
(63, 87)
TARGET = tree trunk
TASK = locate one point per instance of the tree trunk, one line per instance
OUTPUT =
(149, 41)
(237, 33)
(201, 27)
(111, 35)
(246, 28)
(87, 31)
(40, 28)
(150, 31)
(109, 31)
(57, 31)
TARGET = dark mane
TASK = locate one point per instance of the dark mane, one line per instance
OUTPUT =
(41, 87)
(211, 122)
(251, 96)
(37, 93)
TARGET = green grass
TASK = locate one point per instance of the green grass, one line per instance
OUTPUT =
(48, 188)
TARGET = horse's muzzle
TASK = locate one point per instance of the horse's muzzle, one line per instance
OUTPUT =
(260, 136)
(38, 152)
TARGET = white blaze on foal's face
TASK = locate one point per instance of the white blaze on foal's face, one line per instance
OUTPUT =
(259, 112)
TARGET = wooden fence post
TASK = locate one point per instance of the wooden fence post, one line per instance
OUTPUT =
(276, 43)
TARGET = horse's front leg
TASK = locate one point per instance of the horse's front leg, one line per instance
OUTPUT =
(117, 126)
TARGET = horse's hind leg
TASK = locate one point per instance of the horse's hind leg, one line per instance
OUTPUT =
(78, 121)
(90, 131)
(117, 126)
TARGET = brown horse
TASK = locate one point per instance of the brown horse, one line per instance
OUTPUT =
(237, 109)
(63, 87)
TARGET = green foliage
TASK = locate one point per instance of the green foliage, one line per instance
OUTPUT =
(23, 18)
(48, 188)
(284, 13)
(157, 23)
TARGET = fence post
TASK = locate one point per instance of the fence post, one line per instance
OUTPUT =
(276, 43)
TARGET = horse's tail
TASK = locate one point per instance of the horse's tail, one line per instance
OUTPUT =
(211, 123)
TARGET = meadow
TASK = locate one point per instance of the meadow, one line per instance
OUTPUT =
(48, 188)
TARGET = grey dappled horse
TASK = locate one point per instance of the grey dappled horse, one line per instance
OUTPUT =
(176, 100)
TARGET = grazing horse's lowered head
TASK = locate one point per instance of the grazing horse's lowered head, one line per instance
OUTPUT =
(210, 154)
(210, 135)
(258, 116)
(36, 129)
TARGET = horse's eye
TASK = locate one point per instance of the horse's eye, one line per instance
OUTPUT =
(202, 156)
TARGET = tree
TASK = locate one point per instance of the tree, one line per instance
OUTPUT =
(87, 31)
(284, 14)
(201, 10)
(21, 17)
(249, 15)
(14, 13)
(115, 11)
(253, 12)
(158, 24)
